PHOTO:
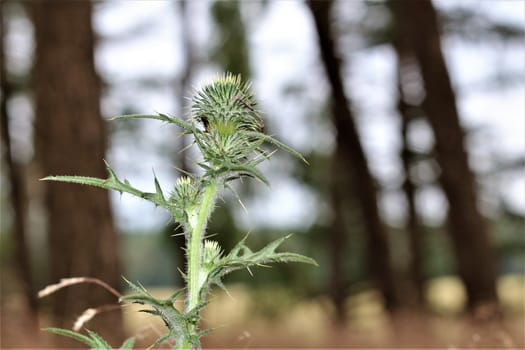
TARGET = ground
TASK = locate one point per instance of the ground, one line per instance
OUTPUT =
(244, 320)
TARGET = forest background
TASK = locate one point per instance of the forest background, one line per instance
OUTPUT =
(410, 113)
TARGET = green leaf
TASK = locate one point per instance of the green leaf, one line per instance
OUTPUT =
(94, 340)
(128, 344)
(74, 335)
(115, 184)
(157, 197)
(162, 117)
(237, 248)
(265, 255)
(100, 343)
(83, 180)
(242, 257)
(176, 295)
(163, 338)
(180, 325)
(158, 189)
(137, 289)
(277, 143)
(246, 170)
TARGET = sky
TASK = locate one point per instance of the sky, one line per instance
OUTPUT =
(284, 55)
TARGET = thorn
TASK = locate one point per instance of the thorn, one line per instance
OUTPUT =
(210, 235)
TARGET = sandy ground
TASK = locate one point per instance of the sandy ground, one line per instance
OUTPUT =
(239, 324)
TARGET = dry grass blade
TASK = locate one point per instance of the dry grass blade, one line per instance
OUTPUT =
(88, 314)
(66, 282)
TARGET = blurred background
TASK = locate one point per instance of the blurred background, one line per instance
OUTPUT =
(410, 113)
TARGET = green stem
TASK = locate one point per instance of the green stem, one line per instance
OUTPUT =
(198, 218)
(183, 344)
(195, 246)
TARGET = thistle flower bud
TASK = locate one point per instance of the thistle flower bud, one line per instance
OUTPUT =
(211, 253)
(226, 109)
(227, 100)
(185, 194)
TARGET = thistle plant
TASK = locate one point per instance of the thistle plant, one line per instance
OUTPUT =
(229, 132)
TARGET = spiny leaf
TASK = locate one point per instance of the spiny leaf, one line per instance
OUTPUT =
(236, 249)
(138, 289)
(83, 180)
(180, 324)
(101, 343)
(271, 247)
(290, 257)
(204, 166)
(242, 257)
(157, 197)
(114, 183)
(268, 254)
(159, 189)
(277, 143)
(176, 295)
(247, 170)
(94, 340)
(163, 117)
(74, 335)
(164, 338)
(128, 344)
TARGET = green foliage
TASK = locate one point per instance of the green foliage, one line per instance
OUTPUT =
(216, 266)
(180, 325)
(114, 183)
(228, 130)
(93, 340)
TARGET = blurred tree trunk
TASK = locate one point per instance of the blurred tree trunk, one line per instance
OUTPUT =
(183, 89)
(417, 21)
(16, 176)
(71, 139)
(185, 81)
(408, 111)
(232, 48)
(337, 234)
(347, 138)
(412, 225)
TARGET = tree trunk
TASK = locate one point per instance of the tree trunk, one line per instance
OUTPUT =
(179, 157)
(417, 21)
(347, 138)
(337, 237)
(16, 176)
(231, 50)
(412, 225)
(408, 111)
(71, 140)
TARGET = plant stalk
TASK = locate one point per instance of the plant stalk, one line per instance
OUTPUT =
(197, 228)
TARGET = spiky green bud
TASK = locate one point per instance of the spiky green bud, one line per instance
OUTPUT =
(211, 254)
(227, 103)
(227, 110)
(184, 198)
